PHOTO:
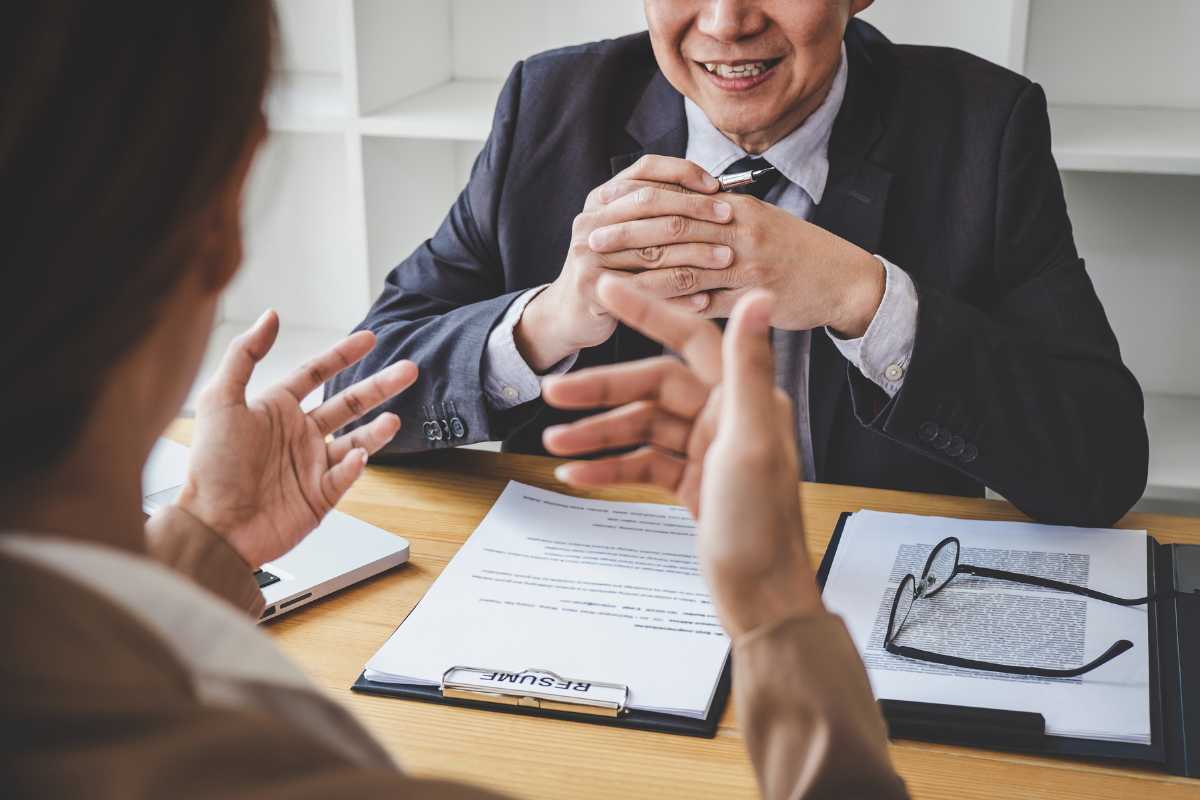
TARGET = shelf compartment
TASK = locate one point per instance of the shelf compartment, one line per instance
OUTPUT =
(310, 91)
(1173, 422)
(1162, 141)
(458, 110)
(301, 247)
(307, 102)
(409, 185)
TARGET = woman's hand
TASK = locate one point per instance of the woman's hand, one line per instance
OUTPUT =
(751, 544)
(715, 430)
(664, 407)
(263, 474)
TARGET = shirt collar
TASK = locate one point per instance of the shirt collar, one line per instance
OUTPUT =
(802, 156)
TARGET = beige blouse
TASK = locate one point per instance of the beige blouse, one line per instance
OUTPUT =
(122, 678)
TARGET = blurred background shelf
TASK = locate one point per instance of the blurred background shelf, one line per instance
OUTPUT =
(380, 107)
(1174, 480)
(459, 110)
(307, 102)
(1163, 141)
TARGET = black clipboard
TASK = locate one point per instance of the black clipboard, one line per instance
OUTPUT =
(1174, 653)
(520, 701)
(626, 718)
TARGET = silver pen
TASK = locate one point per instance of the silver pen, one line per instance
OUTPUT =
(737, 179)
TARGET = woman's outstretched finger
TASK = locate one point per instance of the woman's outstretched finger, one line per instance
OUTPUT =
(697, 340)
(228, 384)
(638, 423)
(354, 401)
(663, 379)
(370, 437)
(346, 353)
(341, 476)
(647, 465)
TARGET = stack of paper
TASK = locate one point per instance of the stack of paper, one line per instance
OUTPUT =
(590, 590)
(1004, 622)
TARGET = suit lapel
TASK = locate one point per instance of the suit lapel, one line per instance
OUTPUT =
(658, 124)
(853, 208)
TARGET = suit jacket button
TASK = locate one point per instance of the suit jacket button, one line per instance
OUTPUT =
(457, 428)
(942, 440)
(969, 454)
(956, 446)
(927, 431)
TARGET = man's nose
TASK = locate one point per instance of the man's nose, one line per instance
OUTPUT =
(731, 20)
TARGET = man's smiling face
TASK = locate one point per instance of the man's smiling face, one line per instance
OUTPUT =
(757, 68)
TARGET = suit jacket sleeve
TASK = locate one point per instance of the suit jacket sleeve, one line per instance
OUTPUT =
(439, 305)
(1029, 396)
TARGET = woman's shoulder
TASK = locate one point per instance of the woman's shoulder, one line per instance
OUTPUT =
(70, 647)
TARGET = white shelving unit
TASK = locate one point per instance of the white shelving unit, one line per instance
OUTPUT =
(376, 115)
(1161, 141)
(458, 110)
(381, 106)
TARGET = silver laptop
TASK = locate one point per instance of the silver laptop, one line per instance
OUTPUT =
(340, 552)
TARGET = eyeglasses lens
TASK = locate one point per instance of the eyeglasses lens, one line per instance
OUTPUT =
(902, 606)
(939, 569)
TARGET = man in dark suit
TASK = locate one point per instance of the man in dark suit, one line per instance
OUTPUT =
(934, 324)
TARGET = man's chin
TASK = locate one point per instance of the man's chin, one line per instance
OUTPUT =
(741, 123)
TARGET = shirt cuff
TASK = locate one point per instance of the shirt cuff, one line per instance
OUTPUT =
(883, 353)
(176, 538)
(508, 381)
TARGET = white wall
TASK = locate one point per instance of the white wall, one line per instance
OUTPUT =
(490, 36)
(1139, 53)
(992, 29)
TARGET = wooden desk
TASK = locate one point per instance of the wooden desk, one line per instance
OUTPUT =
(437, 502)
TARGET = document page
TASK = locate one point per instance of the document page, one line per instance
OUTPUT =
(591, 590)
(1001, 621)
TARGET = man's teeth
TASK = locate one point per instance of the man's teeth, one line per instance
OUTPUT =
(749, 70)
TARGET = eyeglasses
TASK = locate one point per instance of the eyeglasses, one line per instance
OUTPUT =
(941, 567)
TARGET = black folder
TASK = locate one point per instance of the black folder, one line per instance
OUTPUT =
(1174, 653)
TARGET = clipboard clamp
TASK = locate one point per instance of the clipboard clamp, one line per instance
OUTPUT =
(535, 688)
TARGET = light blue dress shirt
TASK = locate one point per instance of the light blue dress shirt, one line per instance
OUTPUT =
(882, 353)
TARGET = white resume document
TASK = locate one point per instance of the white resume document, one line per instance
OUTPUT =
(590, 590)
(1003, 622)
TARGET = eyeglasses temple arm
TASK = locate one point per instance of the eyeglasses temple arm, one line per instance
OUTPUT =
(969, 663)
(1048, 583)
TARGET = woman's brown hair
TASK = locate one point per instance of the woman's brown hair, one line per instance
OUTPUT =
(121, 122)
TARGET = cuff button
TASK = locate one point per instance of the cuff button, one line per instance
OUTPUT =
(927, 431)
(956, 447)
(457, 428)
(969, 454)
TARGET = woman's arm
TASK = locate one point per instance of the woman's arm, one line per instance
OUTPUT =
(186, 545)
(721, 439)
